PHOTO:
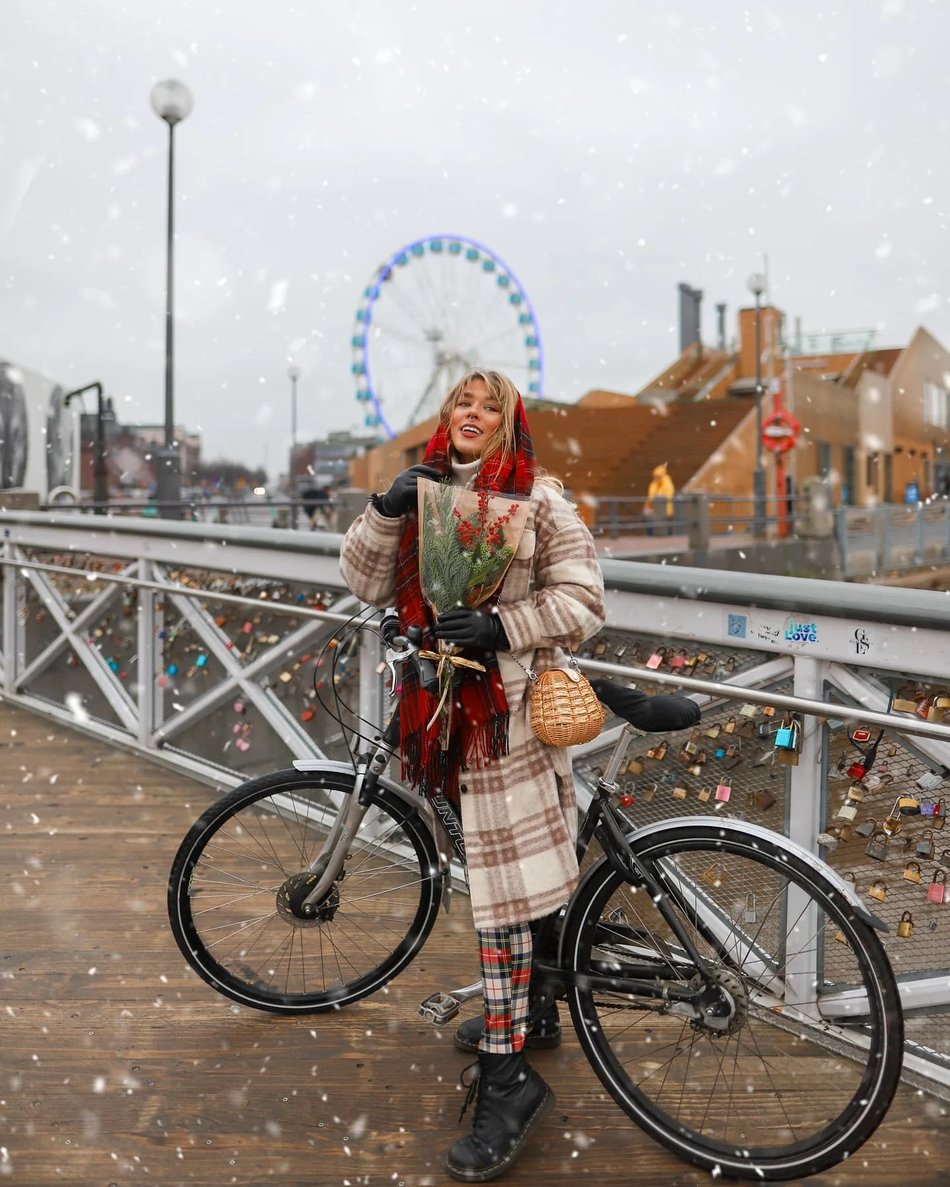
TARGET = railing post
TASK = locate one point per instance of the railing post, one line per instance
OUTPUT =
(371, 687)
(885, 537)
(841, 532)
(805, 815)
(919, 547)
(147, 641)
(12, 635)
(695, 510)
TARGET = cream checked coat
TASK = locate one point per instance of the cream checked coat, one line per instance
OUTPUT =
(519, 813)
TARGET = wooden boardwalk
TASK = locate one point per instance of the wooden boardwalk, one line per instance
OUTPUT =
(119, 1067)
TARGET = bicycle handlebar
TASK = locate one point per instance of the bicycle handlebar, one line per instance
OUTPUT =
(408, 649)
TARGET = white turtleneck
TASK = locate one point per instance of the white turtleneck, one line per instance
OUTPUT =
(464, 473)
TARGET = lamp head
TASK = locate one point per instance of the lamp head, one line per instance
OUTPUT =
(171, 101)
(293, 371)
(756, 284)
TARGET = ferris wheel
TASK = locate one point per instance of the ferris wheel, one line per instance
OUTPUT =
(434, 310)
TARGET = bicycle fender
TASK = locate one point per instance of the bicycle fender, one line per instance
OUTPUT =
(717, 828)
(410, 799)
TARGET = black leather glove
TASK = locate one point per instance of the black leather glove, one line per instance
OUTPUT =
(472, 628)
(401, 496)
(653, 714)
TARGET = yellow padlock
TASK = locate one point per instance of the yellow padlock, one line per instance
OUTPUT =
(878, 890)
(912, 872)
(905, 928)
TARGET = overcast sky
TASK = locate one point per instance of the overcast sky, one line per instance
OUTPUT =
(606, 150)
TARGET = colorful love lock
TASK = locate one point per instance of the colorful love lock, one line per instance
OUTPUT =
(723, 792)
(905, 928)
(656, 659)
(912, 872)
(936, 891)
(785, 737)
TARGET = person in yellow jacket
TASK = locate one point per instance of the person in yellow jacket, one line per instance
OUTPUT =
(661, 488)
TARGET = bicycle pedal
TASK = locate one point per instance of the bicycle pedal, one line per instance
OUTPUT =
(439, 1008)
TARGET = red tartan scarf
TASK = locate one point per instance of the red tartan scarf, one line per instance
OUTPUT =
(479, 729)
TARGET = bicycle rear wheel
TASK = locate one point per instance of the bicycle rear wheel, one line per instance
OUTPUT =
(232, 878)
(803, 1068)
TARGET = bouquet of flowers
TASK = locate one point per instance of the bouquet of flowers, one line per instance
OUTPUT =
(467, 541)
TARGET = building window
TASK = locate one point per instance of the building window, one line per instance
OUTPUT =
(936, 404)
(847, 475)
(824, 459)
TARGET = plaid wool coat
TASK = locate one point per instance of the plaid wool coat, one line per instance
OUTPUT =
(519, 813)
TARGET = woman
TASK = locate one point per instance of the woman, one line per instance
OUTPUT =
(516, 795)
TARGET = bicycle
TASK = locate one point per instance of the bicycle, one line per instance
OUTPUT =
(689, 954)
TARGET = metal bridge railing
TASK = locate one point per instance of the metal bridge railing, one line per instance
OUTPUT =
(206, 648)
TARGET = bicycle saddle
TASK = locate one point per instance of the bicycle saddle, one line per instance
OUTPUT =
(652, 714)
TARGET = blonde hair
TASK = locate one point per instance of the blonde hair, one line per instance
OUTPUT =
(506, 395)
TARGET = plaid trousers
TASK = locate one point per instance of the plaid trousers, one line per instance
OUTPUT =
(505, 957)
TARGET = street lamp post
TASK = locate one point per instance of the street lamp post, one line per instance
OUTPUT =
(293, 374)
(172, 102)
(756, 285)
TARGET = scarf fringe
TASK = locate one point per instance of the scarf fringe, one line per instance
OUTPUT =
(432, 770)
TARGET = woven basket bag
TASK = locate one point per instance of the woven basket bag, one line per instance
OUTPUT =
(565, 710)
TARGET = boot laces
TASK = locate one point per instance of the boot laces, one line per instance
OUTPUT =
(471, 1086)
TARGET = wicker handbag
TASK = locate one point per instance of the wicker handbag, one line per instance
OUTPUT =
(565, 710)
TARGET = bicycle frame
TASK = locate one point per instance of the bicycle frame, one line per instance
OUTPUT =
(602, 822)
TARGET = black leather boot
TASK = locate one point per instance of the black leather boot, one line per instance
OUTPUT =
(545, 1033)
(510, 1101)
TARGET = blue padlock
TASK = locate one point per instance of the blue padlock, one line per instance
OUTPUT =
(786, 737)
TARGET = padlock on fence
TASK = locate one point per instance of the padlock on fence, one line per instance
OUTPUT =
(912, 872)
(787, 742)
(905, 928)
(867, 827)
(925, 845)
(936, 891)
(723, 792)
(877, 846)
(749, 915)
(878, 890)
(714, 874)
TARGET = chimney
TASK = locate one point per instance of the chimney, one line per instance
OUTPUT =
(721, 325)
(690, 301)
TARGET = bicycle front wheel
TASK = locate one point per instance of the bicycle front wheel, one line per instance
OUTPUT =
(232, 886)
(800, 1067)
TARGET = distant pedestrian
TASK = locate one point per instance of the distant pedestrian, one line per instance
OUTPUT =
(316, 505)
(661, 490)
